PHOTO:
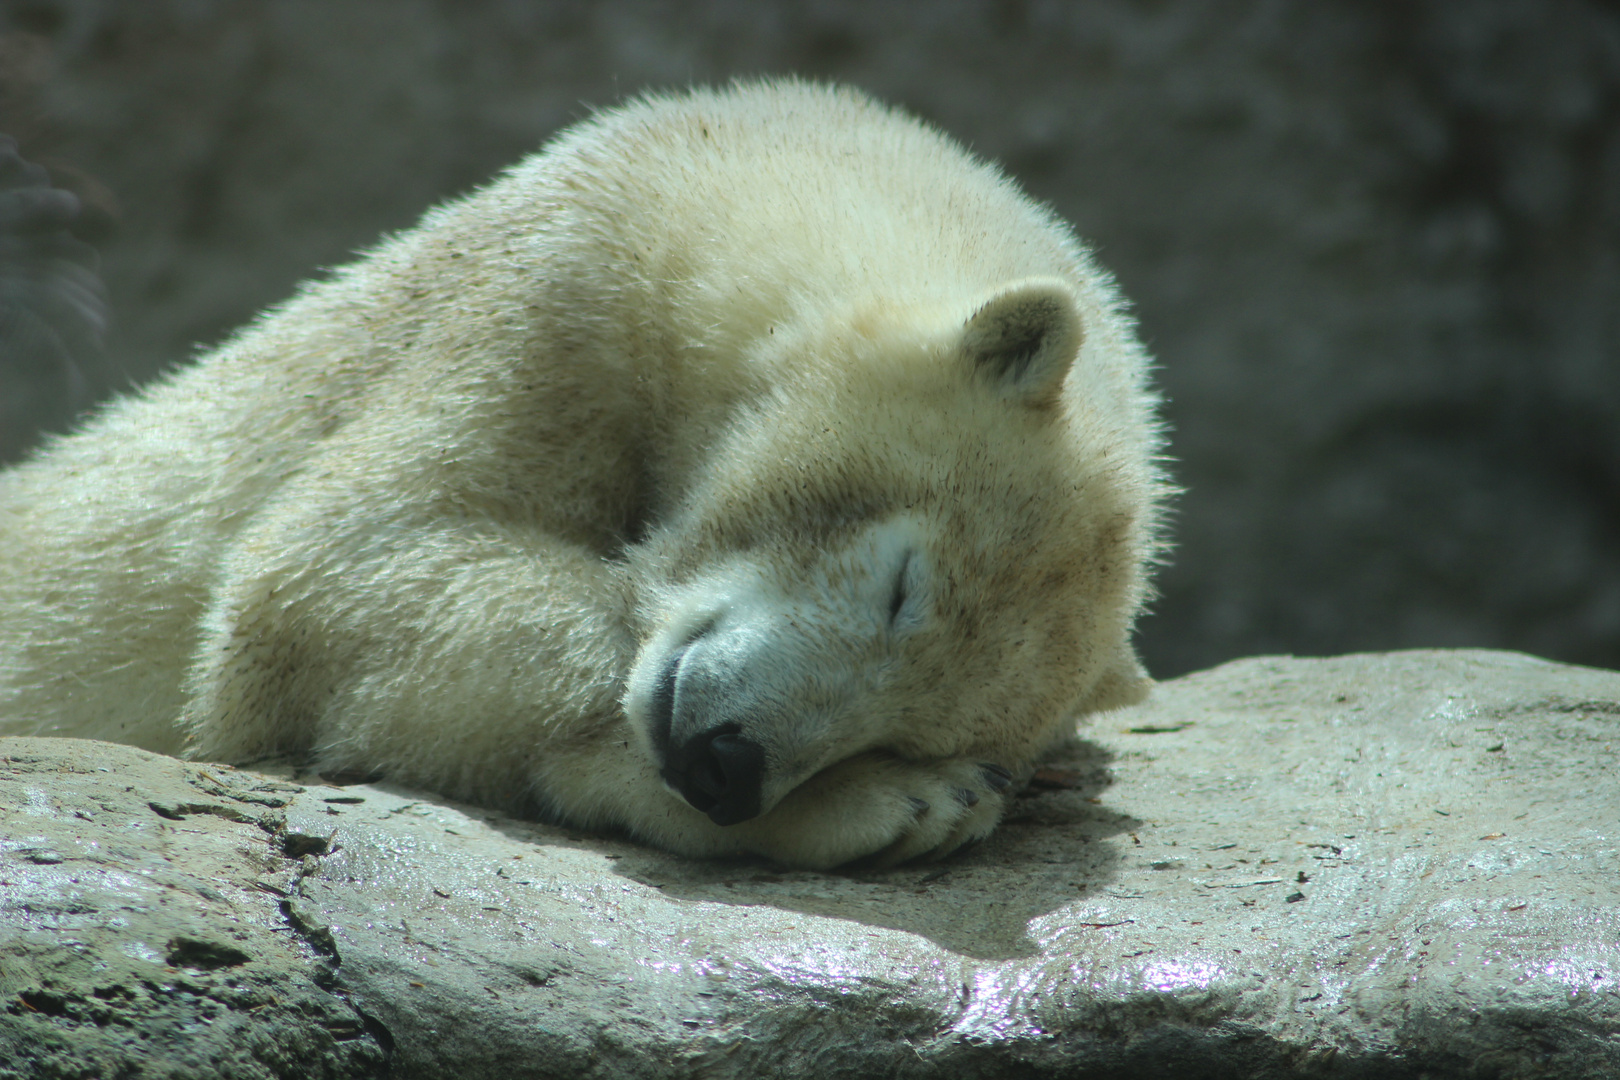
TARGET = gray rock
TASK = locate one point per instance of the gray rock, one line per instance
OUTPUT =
(142, 934)
(1393, 865)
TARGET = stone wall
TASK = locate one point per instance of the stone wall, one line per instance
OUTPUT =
(1376, 245)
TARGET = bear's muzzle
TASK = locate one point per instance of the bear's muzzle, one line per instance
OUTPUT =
(718, 770)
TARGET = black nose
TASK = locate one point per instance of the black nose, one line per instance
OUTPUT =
(720, 773)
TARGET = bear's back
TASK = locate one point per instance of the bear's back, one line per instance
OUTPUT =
(778, 203)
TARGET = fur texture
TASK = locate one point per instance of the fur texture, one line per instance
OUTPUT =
(752, 470)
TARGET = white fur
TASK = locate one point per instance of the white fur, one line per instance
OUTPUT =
(782, 638)
(705, 374)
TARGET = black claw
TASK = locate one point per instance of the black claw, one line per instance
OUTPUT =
(919, 805)
(996, 776)
(967, 796)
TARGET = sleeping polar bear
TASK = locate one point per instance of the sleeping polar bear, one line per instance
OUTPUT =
(752, 470)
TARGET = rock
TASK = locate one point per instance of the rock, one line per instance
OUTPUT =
(142, 932)
(1394, 865)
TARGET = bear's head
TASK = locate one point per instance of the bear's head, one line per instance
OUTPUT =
(928, 537)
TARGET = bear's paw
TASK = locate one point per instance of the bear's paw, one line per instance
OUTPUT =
(881, 810)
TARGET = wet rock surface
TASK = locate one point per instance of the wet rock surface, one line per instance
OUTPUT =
(1382, 865)
(141, 930)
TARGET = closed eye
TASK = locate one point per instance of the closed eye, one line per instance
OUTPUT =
(897, 593)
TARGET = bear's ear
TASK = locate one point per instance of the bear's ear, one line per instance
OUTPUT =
(1025, 337)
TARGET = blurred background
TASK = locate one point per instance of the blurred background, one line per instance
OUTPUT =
(1374, 244)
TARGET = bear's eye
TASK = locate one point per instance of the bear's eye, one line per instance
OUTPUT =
(897, 592)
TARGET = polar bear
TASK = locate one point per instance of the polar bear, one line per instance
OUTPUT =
(752, 470)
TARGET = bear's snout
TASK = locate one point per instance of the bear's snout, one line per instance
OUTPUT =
(720, 771)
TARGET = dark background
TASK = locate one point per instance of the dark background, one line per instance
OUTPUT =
(1374, 245)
